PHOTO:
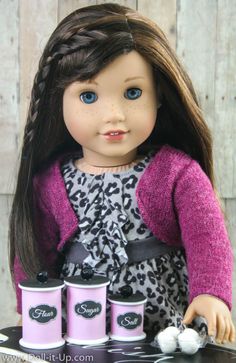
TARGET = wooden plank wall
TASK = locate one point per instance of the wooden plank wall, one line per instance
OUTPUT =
(203, 34)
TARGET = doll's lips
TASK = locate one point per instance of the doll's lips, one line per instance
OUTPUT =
(115, 134)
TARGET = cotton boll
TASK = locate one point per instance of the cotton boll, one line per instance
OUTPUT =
(188, 346)
(167, 343)
(167, 339)
(189, 341)
(172, 331)
(191, 333)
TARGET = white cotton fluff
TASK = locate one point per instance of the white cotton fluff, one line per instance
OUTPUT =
(189, 341)
(167, 343)
(173, 331)
(167, 339)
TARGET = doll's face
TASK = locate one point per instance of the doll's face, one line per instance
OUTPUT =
(114, 112)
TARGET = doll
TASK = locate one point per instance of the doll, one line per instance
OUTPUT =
(116, 172)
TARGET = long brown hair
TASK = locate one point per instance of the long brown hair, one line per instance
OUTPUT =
(81, 45)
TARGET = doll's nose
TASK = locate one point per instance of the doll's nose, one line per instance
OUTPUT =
(114, 113)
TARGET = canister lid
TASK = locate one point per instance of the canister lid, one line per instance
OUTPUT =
(87, 279)
(94, 281)
(135, 298)
(126, 297)
(41, 282)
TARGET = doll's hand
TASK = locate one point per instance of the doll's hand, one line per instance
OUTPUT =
(217, 314)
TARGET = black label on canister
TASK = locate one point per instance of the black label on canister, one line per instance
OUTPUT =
(88, 309)
(129, 320)
(43, 313)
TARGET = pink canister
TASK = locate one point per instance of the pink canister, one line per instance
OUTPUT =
(86, 309)
(41, 313)
(127, 312)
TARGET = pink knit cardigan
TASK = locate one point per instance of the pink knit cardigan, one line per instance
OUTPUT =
(177, 203)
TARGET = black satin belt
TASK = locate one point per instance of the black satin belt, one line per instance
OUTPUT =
(137, 250)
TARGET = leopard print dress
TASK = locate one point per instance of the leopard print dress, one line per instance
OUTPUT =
(109, 218)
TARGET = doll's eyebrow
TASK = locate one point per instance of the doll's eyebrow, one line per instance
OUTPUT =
(126, 80)
(92, 82)
(132, 78)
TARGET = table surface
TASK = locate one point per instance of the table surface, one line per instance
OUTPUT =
(109, 352)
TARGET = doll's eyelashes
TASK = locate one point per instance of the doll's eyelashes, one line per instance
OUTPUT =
(88, 97)
(133, 93)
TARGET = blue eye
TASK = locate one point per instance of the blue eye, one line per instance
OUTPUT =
(88, 97)
(133, 93)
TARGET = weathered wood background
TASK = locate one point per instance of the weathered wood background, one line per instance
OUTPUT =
(203, 33)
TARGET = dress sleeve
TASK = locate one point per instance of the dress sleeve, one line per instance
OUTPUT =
(47, 233)
(203, 232)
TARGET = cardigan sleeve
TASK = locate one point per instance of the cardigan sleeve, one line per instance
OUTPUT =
(47, 239)
(203, 232)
